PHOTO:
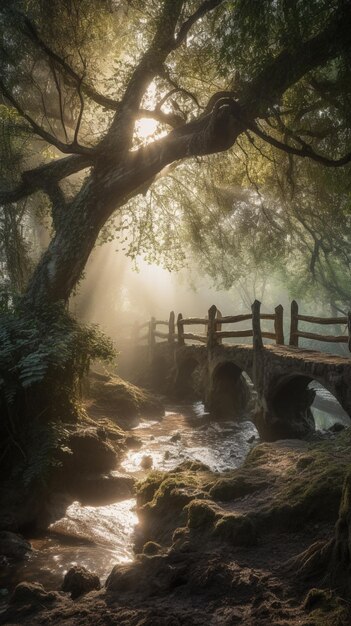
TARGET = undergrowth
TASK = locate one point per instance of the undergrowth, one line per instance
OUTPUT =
(43, 359)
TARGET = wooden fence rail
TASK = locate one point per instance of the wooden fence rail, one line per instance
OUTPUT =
(295, 333)
(213, 323)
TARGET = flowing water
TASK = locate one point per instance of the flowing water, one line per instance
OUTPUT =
(100, 537)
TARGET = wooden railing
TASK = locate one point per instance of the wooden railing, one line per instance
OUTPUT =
(176, 333)
(295, 333)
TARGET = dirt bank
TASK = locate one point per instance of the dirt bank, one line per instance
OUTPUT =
(218, 549)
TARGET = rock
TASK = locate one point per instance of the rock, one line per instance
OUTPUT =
(176, 437)
(200, 514)
(79, 581)
(122, 400)
(317, 598)
(237, 486)
(149, 574)
(13, 546)
(102, 489)
(89, 453)
(146, 462)
(238, 530)
(336, 428)
(32, 593)
(133, 443)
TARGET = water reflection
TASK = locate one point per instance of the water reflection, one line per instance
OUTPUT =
(94, 537)
(99, 537)
(190, 435)
(326, 409)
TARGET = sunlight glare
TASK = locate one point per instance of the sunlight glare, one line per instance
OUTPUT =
(145, 127)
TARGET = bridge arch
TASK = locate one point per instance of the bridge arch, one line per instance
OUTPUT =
(229, 392)
(289, 405)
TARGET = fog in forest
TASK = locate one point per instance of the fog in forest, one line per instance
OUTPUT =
(117, 291)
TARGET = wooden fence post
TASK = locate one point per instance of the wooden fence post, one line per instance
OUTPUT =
(171, 328)
(211, 328)
(349, 328)
(180, 329)
(152, 338)
(256, 326)
(258, 352)
(278, 325)
(294, 339)
(206, 325)
(219, 325)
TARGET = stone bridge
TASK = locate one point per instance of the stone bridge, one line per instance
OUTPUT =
(277, 378)
(269, 380)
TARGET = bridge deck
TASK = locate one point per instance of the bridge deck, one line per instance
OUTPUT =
(308, 355)
(288, 352)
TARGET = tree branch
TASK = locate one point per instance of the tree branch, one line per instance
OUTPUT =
(204, 8)
(151, 65)
(41, 132)
(304, 151)
(166, 75)
(290, 66)
(104, 101)
(40, 177)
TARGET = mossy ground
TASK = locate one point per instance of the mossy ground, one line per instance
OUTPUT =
(285, 495)
(215, 549)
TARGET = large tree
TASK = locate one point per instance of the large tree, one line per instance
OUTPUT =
(76, 77)
(190, 63)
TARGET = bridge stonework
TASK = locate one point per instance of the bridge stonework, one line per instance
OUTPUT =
(269, 382)
(280, 376)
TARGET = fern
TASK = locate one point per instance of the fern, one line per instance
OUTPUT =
(42, 362)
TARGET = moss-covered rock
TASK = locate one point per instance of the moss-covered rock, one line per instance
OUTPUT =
(238, 530)
(162, 500)
(120, 400)
(32, 594)
(87, 450)
(237, 486)
(146, 489)
(200, 514)
(305, 481)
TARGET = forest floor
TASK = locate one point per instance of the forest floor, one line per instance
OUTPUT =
(218, 549)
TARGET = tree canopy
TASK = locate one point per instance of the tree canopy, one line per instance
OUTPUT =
(267, 84)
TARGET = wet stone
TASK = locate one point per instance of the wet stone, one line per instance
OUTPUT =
(79, 581)
(32, 593)
(146, 462)
(13, 547)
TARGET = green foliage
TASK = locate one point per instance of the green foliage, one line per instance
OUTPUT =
(42, 362)
(43, 442)
(54, 345)
(257, 30)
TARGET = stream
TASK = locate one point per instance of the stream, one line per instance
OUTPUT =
(101, 537)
